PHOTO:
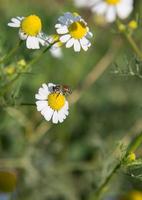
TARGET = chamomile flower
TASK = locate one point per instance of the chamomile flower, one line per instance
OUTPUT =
(73, 31)
(29, 30)
(112, 8)
(52, 104)
(55, 50)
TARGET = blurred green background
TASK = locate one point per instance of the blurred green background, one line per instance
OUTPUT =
(69, 161)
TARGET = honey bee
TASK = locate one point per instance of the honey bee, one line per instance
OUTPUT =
(62, 89)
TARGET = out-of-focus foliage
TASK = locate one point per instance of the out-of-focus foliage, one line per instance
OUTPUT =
(69, 161)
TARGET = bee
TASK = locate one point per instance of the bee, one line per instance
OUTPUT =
(62, 89)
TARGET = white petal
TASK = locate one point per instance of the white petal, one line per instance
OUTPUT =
(55, 117)
(66, 106)
(70, 43)
(47, 113)
(16, 21)
(45, 86)
(69, 15)
(58, 25)
(41, 105)
(41, 40)
(89, 34)
(77, 46)
(66, 112)
(85, 43)
(62, 30)
(51, 84)
(62, 20)
(40, 97)
(20, 18)
(124, 10)
(22, 35)
(61, 116)
(65, 38)
(100, 8)
(32, 42)
(111, 14)
(43, 93)
(56, 52)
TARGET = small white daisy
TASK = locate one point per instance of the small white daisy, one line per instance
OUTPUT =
(55, 49)
(74, 31)
(52, 105)
(29, 30)
(112, 8)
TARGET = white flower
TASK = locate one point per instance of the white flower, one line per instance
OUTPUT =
(29, 30)
(74, 31)
(112, 8)
(55, 49)
(52, 105)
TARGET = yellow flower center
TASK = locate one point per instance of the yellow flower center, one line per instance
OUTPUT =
(112, 1)
(31, 25)
(135, 195)
(77, 30)
(56, 101)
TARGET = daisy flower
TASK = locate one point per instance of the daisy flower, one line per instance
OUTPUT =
(55, 49)
(112, 8)
(52, 104)
(29, 30)
(73, 31)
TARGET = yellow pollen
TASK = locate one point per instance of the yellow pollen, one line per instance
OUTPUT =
(113, 1)
(56, 101)
(77, 30)
(31, 25)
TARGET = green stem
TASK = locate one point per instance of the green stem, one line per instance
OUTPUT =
(27, 104)
(130, 39)
(135, 144)
(11, 52)
(133, 45)
(104, 184)
(39, 56)
(132, 147)
(4, 88)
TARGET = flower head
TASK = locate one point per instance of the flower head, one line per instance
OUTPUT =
(133, 24)
(74, 31)
(131, 157)
(112, 8)
(55, 50)
(134, 195)
(29, 30)
(51, 103)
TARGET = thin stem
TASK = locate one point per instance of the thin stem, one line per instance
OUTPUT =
(135, 144)
(11, 52)
(132, 147)
(130, 39)
(27, 104)
(104, 184)
(4, 88)
(133, 45)
(39, 56)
